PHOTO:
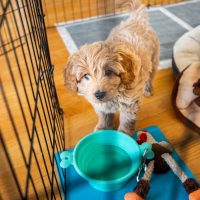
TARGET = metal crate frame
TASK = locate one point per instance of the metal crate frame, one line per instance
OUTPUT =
(24, 52)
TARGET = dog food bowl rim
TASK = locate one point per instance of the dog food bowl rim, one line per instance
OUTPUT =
(112, 181)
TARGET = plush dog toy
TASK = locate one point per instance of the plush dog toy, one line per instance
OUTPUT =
(196, 91)
(188, 86)
(161, 163)
(188, 94)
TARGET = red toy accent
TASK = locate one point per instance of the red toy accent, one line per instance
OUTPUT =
(142, 136)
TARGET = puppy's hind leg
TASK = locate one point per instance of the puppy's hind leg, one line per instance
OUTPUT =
(148, 90)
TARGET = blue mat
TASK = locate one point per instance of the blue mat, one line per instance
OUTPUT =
(164, 186)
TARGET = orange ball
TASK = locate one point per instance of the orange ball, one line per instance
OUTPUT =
(132, 196)
(195, 195)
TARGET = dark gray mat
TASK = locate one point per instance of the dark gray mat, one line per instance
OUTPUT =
(168, 32)
(189, 13)
(93, 30)
(166, 28)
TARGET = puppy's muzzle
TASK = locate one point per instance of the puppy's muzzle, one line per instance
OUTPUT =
(100, 95)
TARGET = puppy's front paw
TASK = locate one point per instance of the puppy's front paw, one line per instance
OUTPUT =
(127, 131)
(102, 127)
(97, 128)
(127, 126)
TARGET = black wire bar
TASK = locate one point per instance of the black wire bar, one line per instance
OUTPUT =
(40, 133)
(72, 10)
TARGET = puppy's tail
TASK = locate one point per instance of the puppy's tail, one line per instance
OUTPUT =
(137, 9)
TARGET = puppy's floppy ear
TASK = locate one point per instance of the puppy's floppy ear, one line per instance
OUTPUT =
(130, 65)
(69, 73)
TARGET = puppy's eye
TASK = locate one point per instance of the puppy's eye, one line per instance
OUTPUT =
(109, 72)
(86, 76)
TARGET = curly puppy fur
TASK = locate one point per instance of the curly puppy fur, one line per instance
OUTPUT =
(114, 74)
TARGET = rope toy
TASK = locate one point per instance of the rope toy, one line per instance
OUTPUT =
(162, 162)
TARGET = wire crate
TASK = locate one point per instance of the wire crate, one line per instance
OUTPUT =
(57, 11)
(32, 127)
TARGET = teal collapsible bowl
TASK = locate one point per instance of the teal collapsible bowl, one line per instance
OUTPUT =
(106, 159)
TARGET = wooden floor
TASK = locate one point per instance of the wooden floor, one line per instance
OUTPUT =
(80, 119)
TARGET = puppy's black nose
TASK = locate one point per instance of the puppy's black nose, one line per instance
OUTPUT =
(100, 95)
